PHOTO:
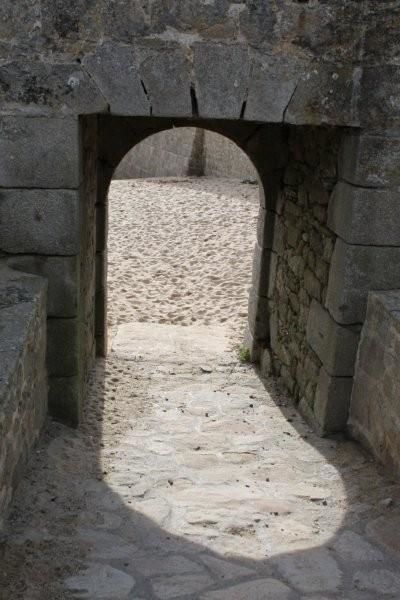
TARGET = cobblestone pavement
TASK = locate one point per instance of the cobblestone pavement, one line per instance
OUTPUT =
(192, 478)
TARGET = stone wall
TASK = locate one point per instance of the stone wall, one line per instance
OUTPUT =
(375, 402)
(224, 159)
(23, 376)
(305, 341)
(184, 151)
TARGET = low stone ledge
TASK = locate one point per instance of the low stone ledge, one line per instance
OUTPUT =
(23, 377)
(375, 406)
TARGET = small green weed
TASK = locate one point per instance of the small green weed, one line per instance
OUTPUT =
(244, 354)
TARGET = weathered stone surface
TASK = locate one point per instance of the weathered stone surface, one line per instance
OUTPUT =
(325, 94)
(23, 377)
(220, 90)
(65, 399)
(40, 88)
(335, 345)
(332, 401)
(365, 216)
(379, 581)
(384, 530)
(101, 581)
(166, 588)
(125, 94)
(303, 245)
(266, 229)
(259, 316)
(272, 83)
(39, 152)
(62, 276)
(165, 71)
(316, 571)
(370, 160)
(39, 221)
(375, 413)
(62, 353)
(263, 272)
(353, 547)
(380, 85)
(355, 271)
(259, 589)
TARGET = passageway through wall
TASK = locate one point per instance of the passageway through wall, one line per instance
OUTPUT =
(291, 331)
(303, 319)
(180, 247)
(190, 476)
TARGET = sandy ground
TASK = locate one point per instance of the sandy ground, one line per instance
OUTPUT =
(191, 478)
(181, 251)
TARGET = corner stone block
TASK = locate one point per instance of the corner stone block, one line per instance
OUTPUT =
(332, 402)
(355, 271)
(65, 395)
(39, 152)
(265, 228)
(365, 216)
(335, 345)
(62, 276)
(101, 227)
(221, 79)
(124, 94)
(264, 269)
(165, 71)
(252, 345)
(39, 221)
(62, 347)
(258, 317)
(370, 160)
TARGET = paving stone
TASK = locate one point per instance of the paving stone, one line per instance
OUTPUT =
(313, 571)
(99, 582)
(381, 581)
(175, 586)
(259, 589)
(106, 546)
(384, 530)
(151, 566)
(223, 569)
(351, 546)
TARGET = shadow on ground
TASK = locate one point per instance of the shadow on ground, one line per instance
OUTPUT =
(193, 481)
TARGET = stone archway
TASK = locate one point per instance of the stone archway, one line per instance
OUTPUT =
(55, 174)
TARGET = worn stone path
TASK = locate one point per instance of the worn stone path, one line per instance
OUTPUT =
(192, 478)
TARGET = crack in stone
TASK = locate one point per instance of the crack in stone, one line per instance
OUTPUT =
(147, 96)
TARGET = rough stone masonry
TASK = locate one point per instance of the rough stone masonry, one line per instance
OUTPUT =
(307, 89)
